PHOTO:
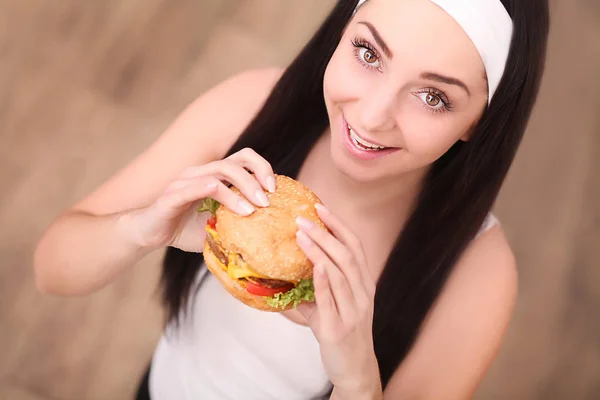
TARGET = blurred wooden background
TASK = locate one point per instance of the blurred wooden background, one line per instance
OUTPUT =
(86, 85)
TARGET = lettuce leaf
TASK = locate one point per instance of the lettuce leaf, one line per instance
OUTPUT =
(209, 204)
(305, 291)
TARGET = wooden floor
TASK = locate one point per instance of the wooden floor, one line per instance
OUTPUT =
(86, 85)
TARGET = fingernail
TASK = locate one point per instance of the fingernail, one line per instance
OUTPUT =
(304, 223)
(246, 207)
(271, 184)
(262, 198)
(321, 207)
(212, 185)
(303, 239)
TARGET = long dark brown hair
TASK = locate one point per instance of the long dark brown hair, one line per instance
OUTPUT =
(457, 194)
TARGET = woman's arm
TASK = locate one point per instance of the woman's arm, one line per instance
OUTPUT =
(464, 330)
(87, 246)
(81, 252)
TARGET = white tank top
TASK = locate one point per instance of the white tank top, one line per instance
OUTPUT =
(225, 350)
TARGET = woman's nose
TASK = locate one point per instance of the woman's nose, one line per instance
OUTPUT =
(376, 110)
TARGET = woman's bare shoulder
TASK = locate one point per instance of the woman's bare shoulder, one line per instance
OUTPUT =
(203, 132)
(465, 329)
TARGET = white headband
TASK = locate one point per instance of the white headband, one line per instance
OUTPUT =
(489, 27)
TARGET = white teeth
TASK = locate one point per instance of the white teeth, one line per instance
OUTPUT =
(363, 144)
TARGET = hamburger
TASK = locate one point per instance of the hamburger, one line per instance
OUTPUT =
(256, 257)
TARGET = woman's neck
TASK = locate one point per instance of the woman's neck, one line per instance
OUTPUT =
(382, 199)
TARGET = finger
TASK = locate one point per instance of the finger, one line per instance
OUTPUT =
(179, 196)
(246, 183)
(340, 231)
(229, 171)
(339, 287)
(352, 242)
(336, 251)
(248, 159)
(202, 188)
(328, 314)
(251, 160)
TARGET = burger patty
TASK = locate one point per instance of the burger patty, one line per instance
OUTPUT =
(215, 247)
(270, 283)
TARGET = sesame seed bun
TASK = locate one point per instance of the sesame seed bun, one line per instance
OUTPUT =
(266, 239)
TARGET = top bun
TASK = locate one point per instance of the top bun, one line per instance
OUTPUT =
(266, 239)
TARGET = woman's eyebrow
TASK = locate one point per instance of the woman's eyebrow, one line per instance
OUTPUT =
(432, 76)
(378, 39)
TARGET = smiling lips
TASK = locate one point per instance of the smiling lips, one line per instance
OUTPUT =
(362, 148)
(362, 143)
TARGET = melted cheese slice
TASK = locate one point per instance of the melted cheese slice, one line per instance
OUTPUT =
(211, 231)
(237, 269)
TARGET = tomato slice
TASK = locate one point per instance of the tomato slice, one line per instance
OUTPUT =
(259, 290)
(212, 222)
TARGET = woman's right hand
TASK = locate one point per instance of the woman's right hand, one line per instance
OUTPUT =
(173, 219)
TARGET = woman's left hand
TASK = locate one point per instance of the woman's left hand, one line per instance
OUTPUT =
(342, 316)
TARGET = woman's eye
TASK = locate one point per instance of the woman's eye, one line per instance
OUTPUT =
(432, 100)
(369, 57)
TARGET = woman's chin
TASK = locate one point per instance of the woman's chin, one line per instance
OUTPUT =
(362, 172)
(353, 170)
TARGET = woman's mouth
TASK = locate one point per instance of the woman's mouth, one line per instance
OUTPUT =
(362, 143)
(360, 147)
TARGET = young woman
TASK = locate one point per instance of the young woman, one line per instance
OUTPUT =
(404, 117)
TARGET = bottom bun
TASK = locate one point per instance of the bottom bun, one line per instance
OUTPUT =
(234, 287)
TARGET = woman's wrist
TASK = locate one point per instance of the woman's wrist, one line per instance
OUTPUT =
(367, 390)
(128, 225)
(367, 387)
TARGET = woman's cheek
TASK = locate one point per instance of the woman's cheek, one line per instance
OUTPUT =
(424, 137)
(340, 83)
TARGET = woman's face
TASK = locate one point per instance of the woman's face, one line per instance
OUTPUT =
(406, 77)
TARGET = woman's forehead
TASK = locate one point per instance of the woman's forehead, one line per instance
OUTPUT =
(421, 34)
